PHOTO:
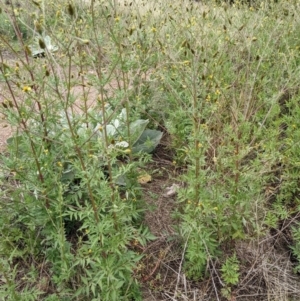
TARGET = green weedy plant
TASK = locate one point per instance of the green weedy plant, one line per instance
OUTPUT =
(141, 140)
(230, 275)
(10, 12)
(69, 174)
(69, 196)
(215, 177)
(286, 203)
(221, 127)
(295, 247)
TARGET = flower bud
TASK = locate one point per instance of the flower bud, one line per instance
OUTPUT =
(70, 9)
(42, 44)
(38, 27)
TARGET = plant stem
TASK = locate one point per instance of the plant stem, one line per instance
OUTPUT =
(100, 77)
(196, 121)
(24, 126)
(76, 147)
(35, 87)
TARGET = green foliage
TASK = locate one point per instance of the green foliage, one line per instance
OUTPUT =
(235, 132)
(61, 174)
(230, 270)
(42, 44)
(230, 275)
(296, 246)
(221, 80)
(141, 138)
(7, 20)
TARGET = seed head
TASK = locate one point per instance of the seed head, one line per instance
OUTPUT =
(70, 10)
(42, 44)
(38, 27)
(27, 49)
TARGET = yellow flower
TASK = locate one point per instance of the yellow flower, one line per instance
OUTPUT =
(16, 12)
(26, 89)
(153, 29)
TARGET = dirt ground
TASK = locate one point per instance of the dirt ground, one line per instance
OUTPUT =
(5, 132)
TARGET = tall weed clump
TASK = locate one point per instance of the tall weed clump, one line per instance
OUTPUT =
(224, 81)
(71, 225)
